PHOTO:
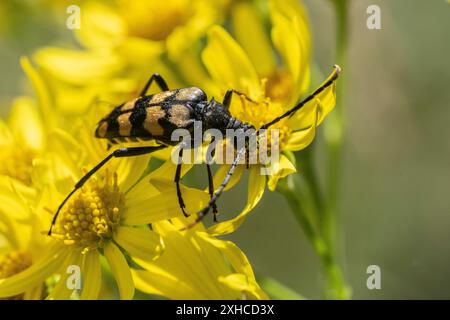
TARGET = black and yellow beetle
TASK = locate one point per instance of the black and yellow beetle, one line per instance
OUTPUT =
(155, 117)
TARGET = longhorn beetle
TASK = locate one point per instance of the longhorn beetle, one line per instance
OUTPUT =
(155, 117)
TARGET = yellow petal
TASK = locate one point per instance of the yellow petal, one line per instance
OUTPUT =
(236, 257)
(34, 275)
(250, 32)
(317, 109)
(139, 51)
(34, 293)
(182, 37)
(15, 204)
(6, 136)
(291, 37)
(8, 232)
(92, 275)
(192, 266)
(41, 89)
(280, 170)
(12, 205)
(244, 278)
(256, 186)
(144, 189)
(193, 71)
(164, 205)
(26, 123)
(120, 271)
(78, 67)
(299, 140)
(61, 290)
(222, 172)
(241, 283)
(160, 282)
(141, 243)
(228, 63)
(100, 26)
(187, 260)
(293, 53)
(131, 170)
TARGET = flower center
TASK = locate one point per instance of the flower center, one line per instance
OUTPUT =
(264, 111)
(13, 263)
(16, 161)
(155, 19)
(89, 218)
(279, 85)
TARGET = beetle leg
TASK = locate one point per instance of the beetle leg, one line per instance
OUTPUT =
(211, 190)
(177, 182)
(202, 213)
(247, 158)
(159, 81)
(228, 95)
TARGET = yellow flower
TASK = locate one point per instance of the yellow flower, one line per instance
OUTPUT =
(107, 216)
(196, 265)
(21, 139)
(20, 241)
(252, 69)
(146, 28)
(124, 42)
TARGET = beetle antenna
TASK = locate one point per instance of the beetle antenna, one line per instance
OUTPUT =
(329, 82)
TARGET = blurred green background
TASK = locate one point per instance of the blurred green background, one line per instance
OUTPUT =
(395, 192)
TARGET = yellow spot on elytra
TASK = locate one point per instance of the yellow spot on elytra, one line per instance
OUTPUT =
(160, 97)
(151, 121)
(101, 129)
(192, 93)
(124, 124)
(179, 115)
(129, 105)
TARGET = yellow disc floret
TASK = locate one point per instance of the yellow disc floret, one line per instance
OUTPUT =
(13, 263)
(16, 162)
(279, 85)
(155, 19)
(91, 215)
(264, 110)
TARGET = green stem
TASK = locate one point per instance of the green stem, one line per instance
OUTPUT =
(304, 195)
(306, 217)
(305, 161)
(334, 135)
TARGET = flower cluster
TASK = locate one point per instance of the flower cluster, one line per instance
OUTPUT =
(125, 222)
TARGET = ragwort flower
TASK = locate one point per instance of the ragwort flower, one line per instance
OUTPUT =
(21, 139)
(107, 216)
(21, 243)
(252, 69)
(124, 42)
(196, 265)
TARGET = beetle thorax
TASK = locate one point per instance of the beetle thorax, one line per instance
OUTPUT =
(214, 115)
